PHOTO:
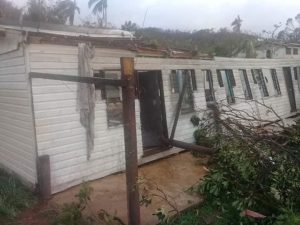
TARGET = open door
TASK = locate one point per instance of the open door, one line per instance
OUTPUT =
(153, 115)
(290, 88)
(209, 87)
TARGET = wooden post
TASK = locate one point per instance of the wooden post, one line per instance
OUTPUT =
(128, 94)
(44, 178)
(178, 108)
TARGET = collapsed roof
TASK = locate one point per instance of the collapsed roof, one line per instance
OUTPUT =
(43, 33)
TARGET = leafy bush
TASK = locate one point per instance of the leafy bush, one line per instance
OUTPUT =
(203, 135)
(14, 197)
(79, 212)
(288, 218)
(191, 217)
(295, 139)
(264, 180)
(256, 168)
(72, 213)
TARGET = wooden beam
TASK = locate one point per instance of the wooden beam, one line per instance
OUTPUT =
(189, 146)
(128, 93)
(44, 176)
(192, 147)
(90, 80)
(178, 108)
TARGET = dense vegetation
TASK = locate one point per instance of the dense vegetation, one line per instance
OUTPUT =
(14, 197)
(253, 179)
(220, 43)
(57, 12)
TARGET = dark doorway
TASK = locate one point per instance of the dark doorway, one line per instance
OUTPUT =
(290, 88)
(209, 87)
(153, 115)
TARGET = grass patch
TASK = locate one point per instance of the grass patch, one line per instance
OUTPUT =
(14, 197)
(191, 217)
(200, 215)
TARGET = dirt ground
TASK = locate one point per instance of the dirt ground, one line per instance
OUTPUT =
(173, 175)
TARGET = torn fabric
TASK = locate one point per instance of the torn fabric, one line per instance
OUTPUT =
(86, 95)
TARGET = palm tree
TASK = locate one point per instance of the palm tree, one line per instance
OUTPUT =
(68, 8)
(99, 9)
(130, 26)
(36, 11)
(236, 24)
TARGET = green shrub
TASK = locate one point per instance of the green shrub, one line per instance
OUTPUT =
(243, 178)
(288, 218)
(295, 139)
(191, 217)
(255, 168)
(72, 213)
(203, 135)
(14, 197)
(79, 212)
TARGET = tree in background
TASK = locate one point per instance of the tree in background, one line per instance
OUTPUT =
(37, 11)
(60, 13)
(130, 26)
(220, 43)
(100, 10)
(67, 8)
(291, 32)
(9, 11)
(237, 24)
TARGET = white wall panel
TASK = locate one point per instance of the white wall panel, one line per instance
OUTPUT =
(17, 142)
(60, 134)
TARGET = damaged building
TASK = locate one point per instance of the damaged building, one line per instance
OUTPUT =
(46, 117)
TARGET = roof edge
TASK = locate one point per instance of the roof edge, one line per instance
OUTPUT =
(65, 30)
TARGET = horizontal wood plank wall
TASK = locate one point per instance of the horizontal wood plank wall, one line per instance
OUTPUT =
(60, 134)
(17, 143)
(59, 131)
(279, 103)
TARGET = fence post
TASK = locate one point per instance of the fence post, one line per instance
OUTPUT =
(128, 94)
(44, 178)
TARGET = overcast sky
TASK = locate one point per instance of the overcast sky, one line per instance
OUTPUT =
(257, 15)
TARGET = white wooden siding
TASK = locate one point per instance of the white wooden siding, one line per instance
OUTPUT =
(58, 129)
(17, 139)
(60, 134)
(185, 129)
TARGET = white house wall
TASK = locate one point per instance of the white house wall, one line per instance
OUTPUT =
(59, 131)
(279, 103)
(60, 134)
(17, 139)
(277, 53)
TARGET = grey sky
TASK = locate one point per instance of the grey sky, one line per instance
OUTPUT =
(197, 14)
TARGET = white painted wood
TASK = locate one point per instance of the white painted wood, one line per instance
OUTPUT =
(60, 134)
(17, 141)
(10, 41)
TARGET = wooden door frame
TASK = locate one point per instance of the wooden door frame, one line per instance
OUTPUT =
(293, 104)
(165, 133)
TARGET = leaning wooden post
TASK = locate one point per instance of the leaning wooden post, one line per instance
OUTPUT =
(178, 107)
(44, 178)
(128, 94)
